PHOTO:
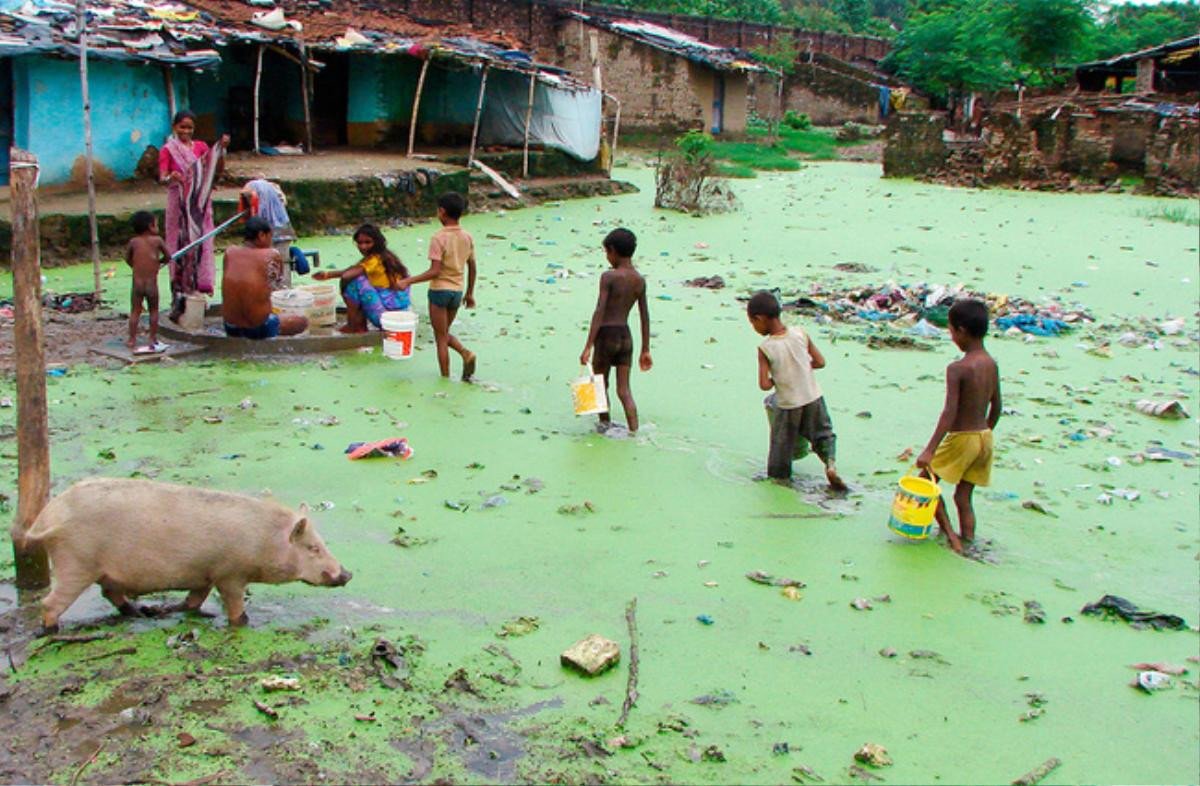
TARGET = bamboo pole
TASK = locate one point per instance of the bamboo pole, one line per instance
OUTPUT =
(528, 122)
(89, 160)
(169, 84)
(412, 123)
(305, 82)
(478, 114)
(33, 441)
(257, 88)
(612, 149)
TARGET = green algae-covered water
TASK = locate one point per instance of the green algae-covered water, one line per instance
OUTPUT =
(676, 519)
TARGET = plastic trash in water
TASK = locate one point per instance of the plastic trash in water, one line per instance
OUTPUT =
(704, 619)
(925, 330)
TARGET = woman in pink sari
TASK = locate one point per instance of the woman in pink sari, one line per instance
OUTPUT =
(189, 168)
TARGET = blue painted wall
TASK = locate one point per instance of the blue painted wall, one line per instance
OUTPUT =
(129, 112)
(382, 88)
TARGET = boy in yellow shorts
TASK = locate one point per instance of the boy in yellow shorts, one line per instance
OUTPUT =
(960, 450)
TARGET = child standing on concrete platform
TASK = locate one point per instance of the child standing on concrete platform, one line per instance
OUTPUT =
(960, 450)
(451, 251)
(145, 254)
(796, 410)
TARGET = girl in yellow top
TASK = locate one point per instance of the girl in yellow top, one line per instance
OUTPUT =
(373, 285)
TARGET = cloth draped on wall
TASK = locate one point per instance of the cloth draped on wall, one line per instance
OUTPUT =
(563, 118)
(189, 213)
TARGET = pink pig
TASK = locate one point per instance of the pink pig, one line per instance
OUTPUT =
(133, 537)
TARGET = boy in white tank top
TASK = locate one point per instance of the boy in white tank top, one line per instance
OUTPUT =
(796, 410)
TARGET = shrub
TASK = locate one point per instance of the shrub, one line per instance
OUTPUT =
(797, 120)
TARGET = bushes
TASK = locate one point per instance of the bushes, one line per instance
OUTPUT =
(797, 121)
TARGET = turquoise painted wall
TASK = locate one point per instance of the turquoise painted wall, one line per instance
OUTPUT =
(382, 88)
(129, 112)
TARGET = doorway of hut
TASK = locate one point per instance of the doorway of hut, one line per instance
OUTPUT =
(6, 116)
(330, 104)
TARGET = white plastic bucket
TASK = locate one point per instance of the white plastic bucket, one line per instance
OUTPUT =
(291, 303)
(322, 316)
(399, 333)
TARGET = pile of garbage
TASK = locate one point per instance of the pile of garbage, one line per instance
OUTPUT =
(927, 307)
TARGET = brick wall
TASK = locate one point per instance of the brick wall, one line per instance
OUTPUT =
(535, 22)
(914, 144)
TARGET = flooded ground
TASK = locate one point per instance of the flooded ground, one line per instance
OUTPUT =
(774, 687)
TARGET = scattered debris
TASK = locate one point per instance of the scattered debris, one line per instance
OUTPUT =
(519, 626)
(275, 683)
(862, 604)
(1114, 605)
(873, 755)
(1152, 681)
(718, 698)
(888, 652)
(460, 681)
(388, 661)
(185, 740)
(1170, 410)
(631, 691)
(1038, 773)
(1038, 507)
(1034, 613)
(714, 754)
(803, 774)
(1165, 668)
(759, 577)
(706, 282)
(591, 654)
(270, 712)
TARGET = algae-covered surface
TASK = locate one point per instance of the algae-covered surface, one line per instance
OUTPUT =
(577, 524)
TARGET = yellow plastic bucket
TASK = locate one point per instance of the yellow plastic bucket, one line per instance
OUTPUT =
(913, 507)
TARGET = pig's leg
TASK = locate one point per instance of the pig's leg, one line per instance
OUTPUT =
(233, 595)
(192, 603)
(68, 586)
(116, 596)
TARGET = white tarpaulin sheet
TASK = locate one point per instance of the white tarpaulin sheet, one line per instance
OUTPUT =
(564, 118)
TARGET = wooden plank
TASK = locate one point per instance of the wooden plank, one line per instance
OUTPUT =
(528, 122)
(33, 440)
(412, 124)
(257, 88)
(478, 114)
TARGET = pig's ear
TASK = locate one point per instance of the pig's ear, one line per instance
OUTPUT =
(303, 508)
(298, 529)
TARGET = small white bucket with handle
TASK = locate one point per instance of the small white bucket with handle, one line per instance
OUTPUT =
(399, 333)
(322, 317)
(588, 393)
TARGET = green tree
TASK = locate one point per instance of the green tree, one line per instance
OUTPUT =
(855, 13)
(1045, 33)
(954, 47)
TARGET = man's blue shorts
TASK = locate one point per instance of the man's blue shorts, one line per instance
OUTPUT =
(449, 299)
(268, 329)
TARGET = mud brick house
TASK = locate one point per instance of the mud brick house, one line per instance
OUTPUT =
(299, 74)
(1172, 68)
(664, 79)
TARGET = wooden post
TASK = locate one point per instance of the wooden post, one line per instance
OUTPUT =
(612, 150)
(257, 87)
(33, 441)
(412, 123)
(89, 161)
(304, 88)
(478, 113)
(169, 84)
(528, 122)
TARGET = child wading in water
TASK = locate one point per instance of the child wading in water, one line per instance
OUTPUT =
(609, 333)
(796, 410)
(146, 253)
(450, 251)
(960, 450)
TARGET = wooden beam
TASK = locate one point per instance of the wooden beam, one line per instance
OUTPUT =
(257, 88)
(305, 82)
(89, 159)
(612, 149)
(528, 122)
(169, 84)
(33, 440)
(478, 114)
(412, 123)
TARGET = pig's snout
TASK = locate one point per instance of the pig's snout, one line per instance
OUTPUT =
(339, 580)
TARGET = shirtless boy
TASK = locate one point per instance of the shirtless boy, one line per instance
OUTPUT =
(246, 287)
(146, 253)
(960, 450)
(609, 333)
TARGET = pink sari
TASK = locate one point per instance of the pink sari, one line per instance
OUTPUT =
(189, 214)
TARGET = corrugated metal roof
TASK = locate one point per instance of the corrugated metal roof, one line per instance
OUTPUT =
(676, 42)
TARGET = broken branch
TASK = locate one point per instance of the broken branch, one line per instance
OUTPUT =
(1039, 772)
(84, 766)
(631, 692)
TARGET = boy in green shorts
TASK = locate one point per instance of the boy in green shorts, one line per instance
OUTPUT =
(451, 251)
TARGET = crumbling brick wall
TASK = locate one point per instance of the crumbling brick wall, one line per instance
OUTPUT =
(914, 144)
(657, 90)
(1173, 157)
